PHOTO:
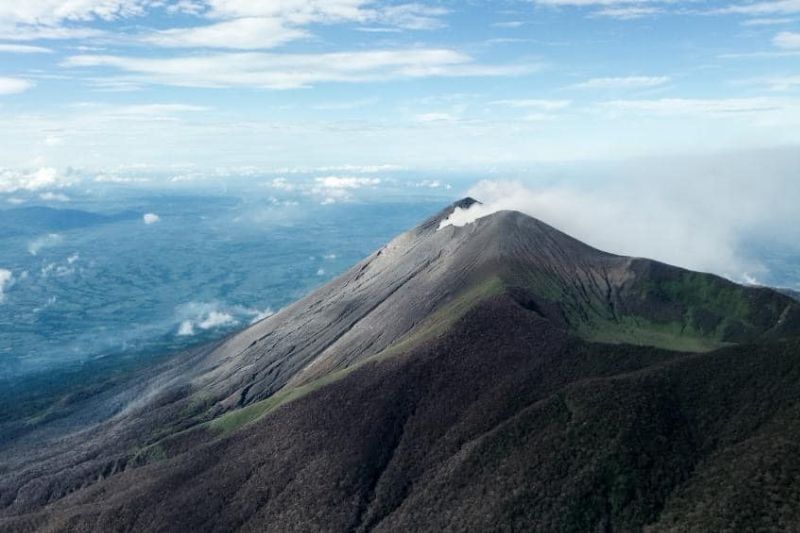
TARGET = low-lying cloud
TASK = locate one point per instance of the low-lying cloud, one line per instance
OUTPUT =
(45, 241)
(195, 317)
(6, 280)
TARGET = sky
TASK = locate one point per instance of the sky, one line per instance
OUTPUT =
(182, 90)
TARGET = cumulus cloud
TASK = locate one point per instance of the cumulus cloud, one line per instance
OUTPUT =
(42, 178)
(6, 280)
(194, 317)
(332, 189)
(150, 218)
(695, 213)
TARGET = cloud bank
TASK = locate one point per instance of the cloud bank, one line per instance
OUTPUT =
(695, 214)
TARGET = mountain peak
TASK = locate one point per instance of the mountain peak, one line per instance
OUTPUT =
(464, 203)
(433, 222)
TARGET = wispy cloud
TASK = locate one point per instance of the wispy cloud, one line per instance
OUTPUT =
(23, 49)
(679, 106)
(626, 82)
(291, 71)
(767, 21)
(778, 7)
(51, 12)
(628, 12)
(244, 34)
(534, 103)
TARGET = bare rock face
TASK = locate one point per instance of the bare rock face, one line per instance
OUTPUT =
(464, 329)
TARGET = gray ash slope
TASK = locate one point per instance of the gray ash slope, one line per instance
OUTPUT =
(416, 302)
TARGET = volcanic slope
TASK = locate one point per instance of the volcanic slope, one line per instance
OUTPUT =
(500, 375)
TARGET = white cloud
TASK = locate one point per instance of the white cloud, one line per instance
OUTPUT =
(249, 33)
(337, 182)
(537, 104)
(435, 117)
(119, 180)
(411, 16)
(291, 71)
(35, 33)
(787, 39)
(682, 106)
(628, 12)
(150, 218)
(690, 212)
(216, 319)
(45, 241)
(54, 197)
(304, 12)
(42, 178)
(6, 280)
(282, 184)
(186, 329)
(433, 184)
(332, 189)
(767, 21)
(52, 12)
(194, 316)
(14, 85)
(627, 82)
(763, 8)
(23, 49)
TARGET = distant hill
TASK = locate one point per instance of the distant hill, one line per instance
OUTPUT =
(497, 376)
(24, 220)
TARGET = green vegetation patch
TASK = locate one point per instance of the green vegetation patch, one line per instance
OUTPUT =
(234, 420)
(641, 332)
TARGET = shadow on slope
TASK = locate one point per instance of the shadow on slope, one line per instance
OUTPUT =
(503, 420)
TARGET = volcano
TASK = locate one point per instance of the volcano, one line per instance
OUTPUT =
(499, 375)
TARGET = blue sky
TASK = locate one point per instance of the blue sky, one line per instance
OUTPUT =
(116, 89)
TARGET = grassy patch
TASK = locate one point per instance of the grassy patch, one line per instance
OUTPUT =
(234, 420)
(641, 332)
